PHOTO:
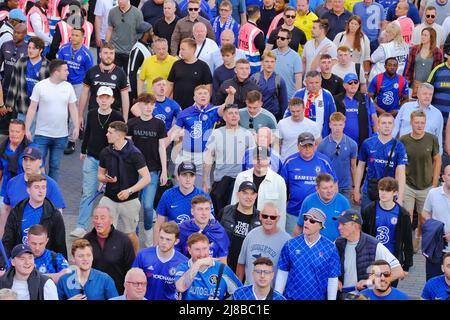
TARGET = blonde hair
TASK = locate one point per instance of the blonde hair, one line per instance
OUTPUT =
(394, 29)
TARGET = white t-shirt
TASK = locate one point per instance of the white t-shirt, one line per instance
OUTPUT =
(290, 130)
(438, 204)
(340, 71)
(310, 51)
(21, 288)
(206, 54)
(53, 112)
(102, 8)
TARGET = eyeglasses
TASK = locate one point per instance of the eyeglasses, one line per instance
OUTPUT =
(137, 284)
(338, 149)
(431, 16)
(289, 16)
(312, 221)
(259, 271)
(386, 274)
(353, 82)
(281, 38)
(266, 216)
(193, 9)
(250, 123)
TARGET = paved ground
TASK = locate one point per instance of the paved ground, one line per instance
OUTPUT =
(70, 182)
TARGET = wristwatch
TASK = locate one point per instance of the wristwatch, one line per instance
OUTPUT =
(130, 192)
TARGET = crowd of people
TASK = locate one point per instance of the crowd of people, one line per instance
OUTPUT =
(278, 149)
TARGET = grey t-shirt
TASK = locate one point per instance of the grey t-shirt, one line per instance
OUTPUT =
(350, 272)
(124, 26)
(258, 244)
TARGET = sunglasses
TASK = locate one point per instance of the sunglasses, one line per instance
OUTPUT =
(289, 16)
(281, 38)
(266, 216)
(353, 82)
(338, 149)
(123, 17)
(431, 16)
(259, 271)
(193, 9)
(250, 123)
(312, 221)
(386, 274)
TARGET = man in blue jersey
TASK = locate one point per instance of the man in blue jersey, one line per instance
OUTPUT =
(309, 265)
(438, 288)
(196, 123)
(203, 223)
(261, 289)
(389, 90)
(375, 153)
(373, 18)
(175, 203)
(329, 201)
(79, 61)
(300, 171)
(202, 277)
(16, 189)
(159, 264)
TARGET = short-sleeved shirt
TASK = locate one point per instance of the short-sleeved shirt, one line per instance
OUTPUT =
(395, 294)
(78, 61)
(248, 293)
(371, 17)
(288, 64)
(46, 264)
(386, 223)
(437, 203)
(185, 77)
(160, 274)
(298, 39)
(333, 208)
(388, 97)
(375, 154)
(176, 206)
(436, 289)
(305, 23)
(16, 191)
(337, 23)
(204, 284)
(167, 111)
(340, 155)
(102, 8)
(309, 268)
(146, 136)
(300, 176)
(198, 124)
(124, 25)
(310, 51)
(263, 119)
(152, 68)
(114, 78)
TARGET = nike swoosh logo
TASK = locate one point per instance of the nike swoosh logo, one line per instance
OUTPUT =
(172, 206)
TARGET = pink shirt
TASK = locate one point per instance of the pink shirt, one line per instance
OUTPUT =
(406, 28)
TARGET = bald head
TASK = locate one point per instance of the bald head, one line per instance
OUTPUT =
(20, 27)
(199, 31)
(264, 137)
(227, 36)
(20, 31)
(135, 275)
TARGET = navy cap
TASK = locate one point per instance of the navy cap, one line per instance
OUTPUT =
(350, 77)
(349, 215)
(19, 249)
(32, 153)
(187, 167)
(247, 185)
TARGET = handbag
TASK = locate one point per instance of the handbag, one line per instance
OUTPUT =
(372, 185)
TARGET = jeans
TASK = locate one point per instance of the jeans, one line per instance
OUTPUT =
(147, 196)
(55, 146)
(90, 183)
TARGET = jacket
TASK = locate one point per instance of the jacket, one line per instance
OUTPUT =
(366, 250)
(51, 219)
(228, 219)
(438, 57)
(17, 97)
(36, 282)
(242, 88)
(115, 258)
(403, 250)
(272, 189)
(433, 240)
(183, 29)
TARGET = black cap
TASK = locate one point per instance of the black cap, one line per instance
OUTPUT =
(19, 249)
(260, 153)
(349, 215)
(32, 153)
(247, 185)
(187, 167)
(306, 138)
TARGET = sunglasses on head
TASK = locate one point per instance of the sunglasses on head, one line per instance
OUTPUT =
(193, 9)
(266, 216)
(311, 220)
(338, 149)
(431, 16)
(250, 123)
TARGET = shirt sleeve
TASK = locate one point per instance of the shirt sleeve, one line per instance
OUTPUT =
(36, 93)
(162, 206)
(362, 156)
(243, 254)
(99, 8)
(383, 253)
(181, 270)
(353, 149)
(284, 263)
(50, 290)
(54, 194)
(373, 87)
(378, 55)
(110, 288)
(72, 95)
(298, 65)
(402, 156)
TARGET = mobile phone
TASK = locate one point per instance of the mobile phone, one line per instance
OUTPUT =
(108, 176)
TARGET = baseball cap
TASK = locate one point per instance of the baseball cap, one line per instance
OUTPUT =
(19, 249)
(143, 28)
(186, 167)
(260, 153)
(247, 185)
(17, 14)
(317, 215)
(306, 138)
(105, 90)
(350, 77)
(349, 215)
(32, 153)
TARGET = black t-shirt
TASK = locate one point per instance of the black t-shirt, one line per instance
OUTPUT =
(164, 30)
(185, 77)
(334, 84)
(146, 136)
(115, 78)
(258, 180)
(240, 231)
(298, 38)
(132, 162)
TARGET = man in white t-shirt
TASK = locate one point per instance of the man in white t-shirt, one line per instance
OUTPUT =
(56, 98)
(25, 280)
(345, 66)
(318, 46)
(291, 127)
(205, 46)
(101, 12)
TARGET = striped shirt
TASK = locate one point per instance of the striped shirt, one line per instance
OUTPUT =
(440, 79)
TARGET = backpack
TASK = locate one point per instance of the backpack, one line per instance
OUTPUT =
(401, 84)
